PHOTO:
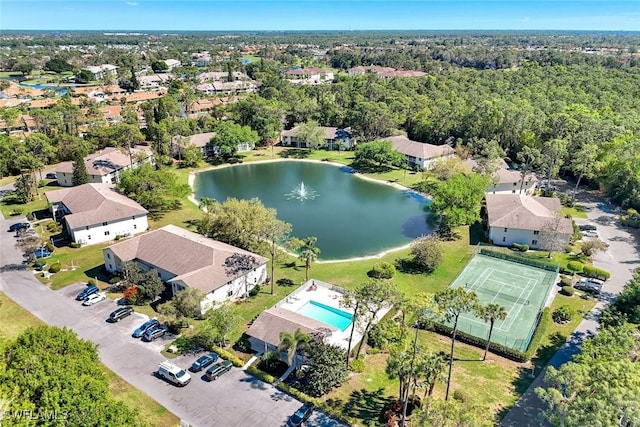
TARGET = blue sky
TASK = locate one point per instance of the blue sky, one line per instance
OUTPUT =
(215, 15)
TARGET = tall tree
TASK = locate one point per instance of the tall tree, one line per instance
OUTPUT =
(374, 295)
(293, 344)
(554, 152)
(583, 165)
(490, 313)
(529, 158)
(311, 133)
(229, 136)
(80, 175)
(308, 252)
(458, 200)
(453, 302)
(326, 367)
(219, 323)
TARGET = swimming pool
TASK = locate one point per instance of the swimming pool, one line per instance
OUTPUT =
(323, 313)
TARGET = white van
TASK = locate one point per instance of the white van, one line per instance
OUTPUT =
(174, 374)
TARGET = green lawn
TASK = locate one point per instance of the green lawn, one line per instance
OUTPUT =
(14, 320)
(575, 212)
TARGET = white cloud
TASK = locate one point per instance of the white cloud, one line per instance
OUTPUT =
(131, 3)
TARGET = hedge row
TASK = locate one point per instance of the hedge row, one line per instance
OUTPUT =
(268, 378)
(228, 356)
(539, 263)
(541, 331)
(630, 222)
(576, 266)
(498, 349)
(595, 272)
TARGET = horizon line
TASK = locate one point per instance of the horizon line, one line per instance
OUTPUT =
(318, 30)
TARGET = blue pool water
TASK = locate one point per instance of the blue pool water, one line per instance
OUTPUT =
(328, 315)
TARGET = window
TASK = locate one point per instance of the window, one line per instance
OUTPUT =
(515, 183)
(104, 223)
(108, 255)
(535, 233)
(505, 229)
(106, 233)
(133, 217)
(534, 242)
(87, 227)
(89, 237)
(513, 191)
(135, 226)
(230, 292)
(504, 239)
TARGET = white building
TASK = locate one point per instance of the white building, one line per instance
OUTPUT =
(508, 181)
(309, 75)
(289, 138)
(420, 154)
(203, 142)
(186, 259)
(96, 213)
(528, 220)
(172, 63)
(103, 71)
(105, 166)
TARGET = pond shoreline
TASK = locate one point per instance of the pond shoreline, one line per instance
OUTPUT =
(378, 255)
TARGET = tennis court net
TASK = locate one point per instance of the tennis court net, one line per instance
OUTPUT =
(507, 297)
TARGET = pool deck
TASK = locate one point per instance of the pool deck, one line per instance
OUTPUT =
(329, 295)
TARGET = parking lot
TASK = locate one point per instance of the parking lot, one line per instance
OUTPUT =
(235, 399)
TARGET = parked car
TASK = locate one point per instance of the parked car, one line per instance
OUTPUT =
(174, 374)
(589, 233)
(42, 253)
(19, 226)
(86, 292)
(203, 362)
(120, 313)
(154, 333)
(300, 416)
(592, 280)
(588, 286)
(145, 327)
(218, 369)
(51, 175)
(587, 227)
(94, 298)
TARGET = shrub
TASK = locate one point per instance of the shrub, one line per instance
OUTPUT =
(357, 365)
(568, 249)
(74, 245)
(114, 280)
(303, 397)
(460, 396)
(595, 272)
(92, 282)
(16, 210)
(563, 314)
(184, 344)
(383, 333)
(567, 290)
(520, 247)
(575, 266)
(268, 378)
(117, 237)
(566, 281)
(382, 270)
(372, 350)
(50, 247)
(243, 344)
(427, 253)
(30, 216)
(55, 268)
(254, 291)
(52, 226)
(229, 356)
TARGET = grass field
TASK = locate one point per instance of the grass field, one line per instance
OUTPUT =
(14, 320)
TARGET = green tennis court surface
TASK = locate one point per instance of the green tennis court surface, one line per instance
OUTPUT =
(522, 290)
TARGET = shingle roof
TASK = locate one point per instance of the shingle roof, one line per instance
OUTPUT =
(525, 212)
(197, 261)
(419, 149)
(328, 132)
(271, 322)
(104, 161)
(92, 204)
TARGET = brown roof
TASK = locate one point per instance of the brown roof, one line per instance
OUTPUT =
(43, 103)
(504, 174)
(104, 161)
(200, 139)
(271, 322)
(419, 149)
(197, 261)
(92, 204)
(329, 132)
(525, 212)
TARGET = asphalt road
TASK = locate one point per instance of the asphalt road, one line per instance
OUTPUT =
(235, 399)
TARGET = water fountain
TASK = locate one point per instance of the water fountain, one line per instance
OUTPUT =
(301, 193)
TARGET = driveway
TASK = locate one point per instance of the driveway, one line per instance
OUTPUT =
(235, 399)
(620, 259)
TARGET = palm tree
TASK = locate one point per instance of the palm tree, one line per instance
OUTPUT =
(308, 253)
(206, 203)
(292, 344)
(491, 313)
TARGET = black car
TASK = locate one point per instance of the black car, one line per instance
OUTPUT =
(19, 226)
(87, 292)
(154, 333)
(203, 362)
(120, 313)
(587, 227)
(301, 415)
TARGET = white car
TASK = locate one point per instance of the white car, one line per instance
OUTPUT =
(590, 233)
(95, 298)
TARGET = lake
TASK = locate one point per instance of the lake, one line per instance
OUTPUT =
(350, 216)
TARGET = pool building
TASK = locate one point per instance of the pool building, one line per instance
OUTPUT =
(314, 308)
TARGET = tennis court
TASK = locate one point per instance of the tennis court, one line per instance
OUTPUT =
(521, 289)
